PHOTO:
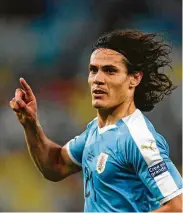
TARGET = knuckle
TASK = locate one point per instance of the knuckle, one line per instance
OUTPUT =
(19, 102)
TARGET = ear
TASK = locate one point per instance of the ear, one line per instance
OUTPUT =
(135, 79)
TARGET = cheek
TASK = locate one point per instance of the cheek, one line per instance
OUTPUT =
(119, 89)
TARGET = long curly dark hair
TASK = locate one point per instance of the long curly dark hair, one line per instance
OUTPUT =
(144, 52)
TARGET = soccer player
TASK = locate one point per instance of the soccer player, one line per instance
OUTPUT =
(124, 160)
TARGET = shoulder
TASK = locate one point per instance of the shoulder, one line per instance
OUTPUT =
(138, 123)
(140, 129)
(92, 124)
(143, 139)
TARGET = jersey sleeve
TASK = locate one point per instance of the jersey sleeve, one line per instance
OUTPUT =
(76, 146)
(150, 159)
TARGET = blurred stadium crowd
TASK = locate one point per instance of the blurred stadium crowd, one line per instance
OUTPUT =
(48, 42)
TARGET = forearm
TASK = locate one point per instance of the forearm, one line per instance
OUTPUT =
(50, 158)
(174, 205)
(164, 208)
(45, 154)
(167, 208)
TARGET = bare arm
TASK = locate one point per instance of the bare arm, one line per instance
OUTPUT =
(51, 159)
(174, 205)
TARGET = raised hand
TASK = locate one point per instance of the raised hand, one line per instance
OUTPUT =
(24, 104)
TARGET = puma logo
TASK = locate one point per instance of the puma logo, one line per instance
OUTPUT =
(148, 146)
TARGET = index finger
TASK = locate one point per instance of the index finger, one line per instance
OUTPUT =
(26, 87)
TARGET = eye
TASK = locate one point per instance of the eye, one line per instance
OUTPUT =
(109, 70)
(93, 69)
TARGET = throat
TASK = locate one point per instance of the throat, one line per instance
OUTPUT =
(111, 116)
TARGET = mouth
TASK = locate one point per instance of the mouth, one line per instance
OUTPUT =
(97, 93)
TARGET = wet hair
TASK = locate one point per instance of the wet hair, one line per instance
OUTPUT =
(146, 53)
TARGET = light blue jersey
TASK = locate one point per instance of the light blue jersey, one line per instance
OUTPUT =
(126, 166)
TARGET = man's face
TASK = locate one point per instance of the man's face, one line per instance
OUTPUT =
(108, 79)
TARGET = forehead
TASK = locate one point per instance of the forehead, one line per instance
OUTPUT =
(106, 56)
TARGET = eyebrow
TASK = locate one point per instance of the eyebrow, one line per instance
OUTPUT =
(104, 66)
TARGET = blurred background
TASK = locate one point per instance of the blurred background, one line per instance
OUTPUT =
(48, 42)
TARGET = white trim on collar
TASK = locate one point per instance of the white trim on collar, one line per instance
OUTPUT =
(106, 128)
(112, 126)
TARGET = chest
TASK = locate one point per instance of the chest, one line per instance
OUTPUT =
(101, 157)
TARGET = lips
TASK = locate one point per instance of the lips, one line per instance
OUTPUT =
(99, 91)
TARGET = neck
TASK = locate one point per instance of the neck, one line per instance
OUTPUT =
(111, 116)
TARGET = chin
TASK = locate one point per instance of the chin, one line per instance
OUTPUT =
(98, 105)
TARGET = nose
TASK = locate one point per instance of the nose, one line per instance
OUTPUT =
(99, 78)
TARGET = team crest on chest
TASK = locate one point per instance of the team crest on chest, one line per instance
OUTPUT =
(101, 163)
